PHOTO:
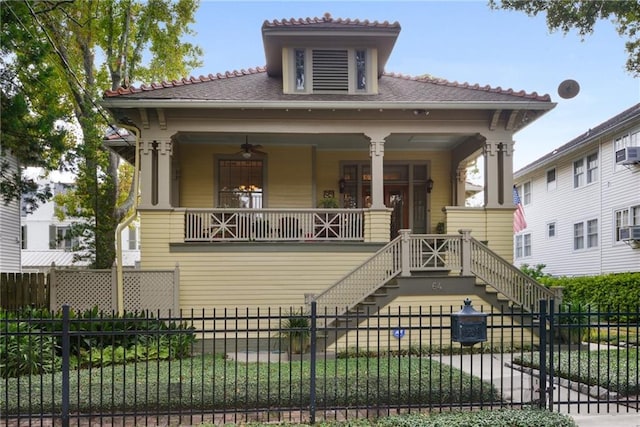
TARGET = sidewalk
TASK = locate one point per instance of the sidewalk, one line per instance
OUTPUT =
(520, 387)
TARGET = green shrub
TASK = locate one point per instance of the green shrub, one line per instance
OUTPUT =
(96, 339)
(25, 350)
(495, 418)
(603, 293)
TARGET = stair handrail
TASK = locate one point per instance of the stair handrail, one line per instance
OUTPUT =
(360, 282)
(506, 278)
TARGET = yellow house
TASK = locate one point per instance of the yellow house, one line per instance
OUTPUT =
(323, 177)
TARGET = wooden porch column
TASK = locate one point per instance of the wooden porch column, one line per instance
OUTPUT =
(491, 174)
(506, 152)
(460, 185)
(376, 152)
(465, 257)
(155, 174)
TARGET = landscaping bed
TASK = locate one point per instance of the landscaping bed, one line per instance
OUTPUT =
(616, 370)
(214, 383)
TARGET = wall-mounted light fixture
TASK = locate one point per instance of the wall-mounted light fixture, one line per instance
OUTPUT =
(429, 185)
(342, 184)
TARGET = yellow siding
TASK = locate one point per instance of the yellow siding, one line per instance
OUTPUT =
(473, 219)
(289, 177)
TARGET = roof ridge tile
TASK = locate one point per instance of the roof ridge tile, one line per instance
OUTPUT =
(145, 87)
(443, 82)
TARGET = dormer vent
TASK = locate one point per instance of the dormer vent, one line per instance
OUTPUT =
(330, 70)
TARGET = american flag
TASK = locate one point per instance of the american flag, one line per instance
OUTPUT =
(519, 223)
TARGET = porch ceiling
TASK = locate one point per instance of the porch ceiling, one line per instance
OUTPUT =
(395, 141)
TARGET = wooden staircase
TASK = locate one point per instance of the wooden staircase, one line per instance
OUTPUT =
(409, 265)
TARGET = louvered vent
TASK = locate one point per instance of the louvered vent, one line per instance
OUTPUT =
(330, 71)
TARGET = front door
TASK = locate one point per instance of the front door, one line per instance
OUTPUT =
(396, 197)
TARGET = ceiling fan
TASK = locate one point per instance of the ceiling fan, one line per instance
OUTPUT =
(249, 149)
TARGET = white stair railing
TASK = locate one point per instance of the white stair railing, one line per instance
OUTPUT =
(360, 282)
(506, 278)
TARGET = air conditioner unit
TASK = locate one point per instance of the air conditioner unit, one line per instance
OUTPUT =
(628, 156)
(631, 232)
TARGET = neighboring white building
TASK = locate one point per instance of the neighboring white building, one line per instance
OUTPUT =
(581, 202)
(9, 224)
(46, 240)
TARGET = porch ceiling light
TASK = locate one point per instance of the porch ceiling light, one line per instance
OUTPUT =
(246, 154)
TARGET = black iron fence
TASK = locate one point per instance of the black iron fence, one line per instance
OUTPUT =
(232, 366)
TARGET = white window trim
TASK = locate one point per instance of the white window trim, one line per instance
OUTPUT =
(551, 186)
(628, 139)
(555, 229)
(289, 73)
(631, 220)
(585, 235)
(585, 170)
(522, 237)
(525, 198)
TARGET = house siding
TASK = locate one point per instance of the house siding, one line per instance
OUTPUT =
(10, 233)
(567, 205)
(230, 279)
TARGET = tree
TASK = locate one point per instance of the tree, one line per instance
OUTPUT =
(32, 115)
(565, 15)
(101, 44)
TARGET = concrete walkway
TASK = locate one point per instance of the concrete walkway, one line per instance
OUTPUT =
(521, 387)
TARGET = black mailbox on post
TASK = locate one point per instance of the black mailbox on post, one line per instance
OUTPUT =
(468, 327)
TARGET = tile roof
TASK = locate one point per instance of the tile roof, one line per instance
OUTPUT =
(590, 135)
(327, 21)
(254, 85)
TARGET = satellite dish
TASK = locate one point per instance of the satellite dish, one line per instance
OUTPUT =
(568, 89)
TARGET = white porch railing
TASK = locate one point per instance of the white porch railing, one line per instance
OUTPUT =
(219, 225)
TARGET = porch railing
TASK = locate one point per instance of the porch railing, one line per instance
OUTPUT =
(208, 225)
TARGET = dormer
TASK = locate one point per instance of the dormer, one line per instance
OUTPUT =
(328, 56)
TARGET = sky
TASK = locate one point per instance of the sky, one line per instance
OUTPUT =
(463, 41)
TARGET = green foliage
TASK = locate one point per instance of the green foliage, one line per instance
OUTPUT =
(26, 350)
(295, 330)
(604, 293)
(54, 74)
(96, 339)
(495, 418)
(535, 272)
(614, 369)
(583, 15)
(213, 383)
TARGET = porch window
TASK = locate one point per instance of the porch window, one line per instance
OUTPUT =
(240, 183)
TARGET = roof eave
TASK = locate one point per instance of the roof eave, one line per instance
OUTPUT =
(536, 165)
(363, 105)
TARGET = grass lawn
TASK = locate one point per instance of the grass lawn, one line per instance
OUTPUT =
(211, 382)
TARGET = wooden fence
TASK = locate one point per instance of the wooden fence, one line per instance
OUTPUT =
(24, 289)
(86, 289)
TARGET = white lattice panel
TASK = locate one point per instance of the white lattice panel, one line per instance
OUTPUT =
(143, 290)
(83, 289)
